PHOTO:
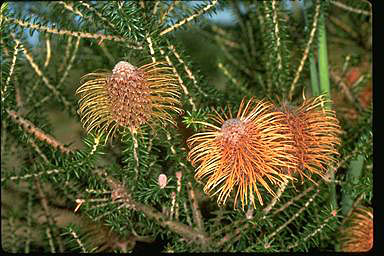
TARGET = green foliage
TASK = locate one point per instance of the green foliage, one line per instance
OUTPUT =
(67, 191)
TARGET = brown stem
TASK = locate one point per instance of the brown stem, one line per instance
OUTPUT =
(50, 219)
(195, 208)
(184, 230)
(338, 80)
(39, 134)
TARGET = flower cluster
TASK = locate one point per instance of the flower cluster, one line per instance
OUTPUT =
(128, 97)
(264, 145)
(357, 232)
(315, 132)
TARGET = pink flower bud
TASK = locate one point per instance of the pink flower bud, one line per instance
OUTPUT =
(162, 180)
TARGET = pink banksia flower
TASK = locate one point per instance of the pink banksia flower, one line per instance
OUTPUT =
(357, 232)
(242, 152)
(129, 97)
(315, 131)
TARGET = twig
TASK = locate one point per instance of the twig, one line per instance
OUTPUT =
(67, 52)
(69, 6)
(181, 82)
(12, 68)
(66, 72)
(39, 134)
(37, 149)
(71, 61)
(338, 80)
(240, 227)
(173, 205)
(279, 192)
(169, 9)
(236, 62)
(184, 230)
(27, 176)
(277, 37)
(71, 33)
(48, 58)
(197, 217)
(154, 11)
(188, 19)
(344, 27)
(187, 69)
(351, 9)
(227, 42)
(97, 13)
(300, 241)
(232, 78)
(151, 50)
(222, 35)
(123, 205)
(292, 200)
(187, 214)
(76, 237)
(50, 239)
(178, 189)
(50, 219)
(38, 71)
(306, 51)
(135, 152)
(294, 216)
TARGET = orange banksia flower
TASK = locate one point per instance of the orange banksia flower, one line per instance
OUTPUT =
(243, 152)
(357, 234)
(315, 132)
(128, 97)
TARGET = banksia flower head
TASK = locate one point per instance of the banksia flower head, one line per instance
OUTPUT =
(357, 234)
(128, 97)
(315, 132)
(242, 152)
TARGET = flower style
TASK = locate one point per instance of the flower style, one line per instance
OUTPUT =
(357, 234)
(315, 132)
(128, 97)
(243, 152)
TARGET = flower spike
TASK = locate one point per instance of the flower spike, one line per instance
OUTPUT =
(128, 97)
(243, 152)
